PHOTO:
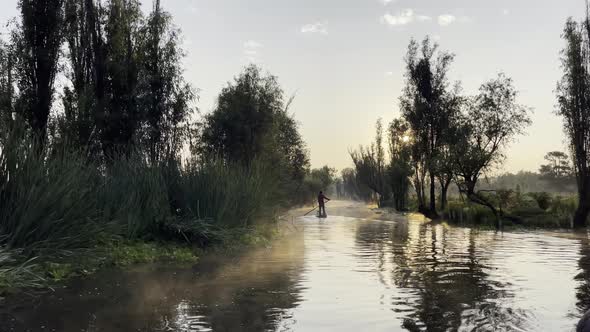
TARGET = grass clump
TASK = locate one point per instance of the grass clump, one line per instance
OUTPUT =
(129, 253)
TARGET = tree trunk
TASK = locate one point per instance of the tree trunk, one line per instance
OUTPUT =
(444, 188)
(474, 197)
(433, 195)
(583, 204)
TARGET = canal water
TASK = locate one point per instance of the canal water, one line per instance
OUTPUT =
(338, 274)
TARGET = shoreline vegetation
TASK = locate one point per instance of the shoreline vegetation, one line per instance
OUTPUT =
(438, 155)
(115, 165)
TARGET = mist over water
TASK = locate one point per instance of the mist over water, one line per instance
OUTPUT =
(339, 274)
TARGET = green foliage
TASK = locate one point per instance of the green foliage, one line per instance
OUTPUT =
(353, 187)
(370, 166)
(228, 195)
(251, 125)
(37, 41)
(16, 272)
(543, 199)
(469, 213)
(539, 210)
(129, 253)
(325, 176)
(242, 126)
(573, 97)
(59, 271)
(48, 203)
(135, 196)
(427, 105)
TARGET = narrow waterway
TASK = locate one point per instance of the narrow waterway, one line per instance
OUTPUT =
(339, 274)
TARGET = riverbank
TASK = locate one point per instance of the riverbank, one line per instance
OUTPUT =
(42, 273)
(19, 274)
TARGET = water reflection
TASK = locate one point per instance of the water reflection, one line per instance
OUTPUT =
(583, 289)
(251, 293)
(447, 279)
(339, 274)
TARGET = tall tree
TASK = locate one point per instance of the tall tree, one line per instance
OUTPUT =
(424, 106)
(558, 166)
(443, 164)
(164, 97)
(370, 166)
(573, 95)
(120, 119)
(400, 167)
(77, 124)
(490, 121)
(242, 126)
(38, 43)
(7, 88)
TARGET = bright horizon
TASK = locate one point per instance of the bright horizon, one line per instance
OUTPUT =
(344, 59)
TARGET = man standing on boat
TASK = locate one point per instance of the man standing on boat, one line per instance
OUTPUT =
(322, 204)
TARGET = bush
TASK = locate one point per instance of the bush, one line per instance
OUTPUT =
(543, 199)
(467, 212)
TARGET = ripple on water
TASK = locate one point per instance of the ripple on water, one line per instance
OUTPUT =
(342, 274)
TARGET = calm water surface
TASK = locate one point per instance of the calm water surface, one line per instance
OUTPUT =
(341, 274)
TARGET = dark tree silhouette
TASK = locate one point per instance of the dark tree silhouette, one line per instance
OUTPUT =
(370, 166)
(491, 120)
(573, 95)
(400, 168)
(164, 98)
(243, 123)
(424, 105)
(7, 91)
(38, 40)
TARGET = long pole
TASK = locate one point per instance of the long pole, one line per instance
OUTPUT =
(310, 211)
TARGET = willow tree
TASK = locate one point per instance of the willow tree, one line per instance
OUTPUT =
(573, 95)
(424, 107)
(490, 121)
(370, 166)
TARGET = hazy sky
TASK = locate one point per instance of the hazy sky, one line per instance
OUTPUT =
(344, 58)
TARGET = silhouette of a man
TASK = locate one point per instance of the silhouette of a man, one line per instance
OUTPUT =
(322, 203)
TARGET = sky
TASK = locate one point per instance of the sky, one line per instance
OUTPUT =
(344, 59)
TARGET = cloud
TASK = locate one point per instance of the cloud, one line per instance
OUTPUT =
(251, 48)
(445, 20)
(252, 44)
(387, 2)
(506, 12)
(317, 27)
(404, 17)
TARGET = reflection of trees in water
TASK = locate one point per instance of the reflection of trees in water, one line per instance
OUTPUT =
(254, 295)
(255, 292)
(442, 277)
(583, 289)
